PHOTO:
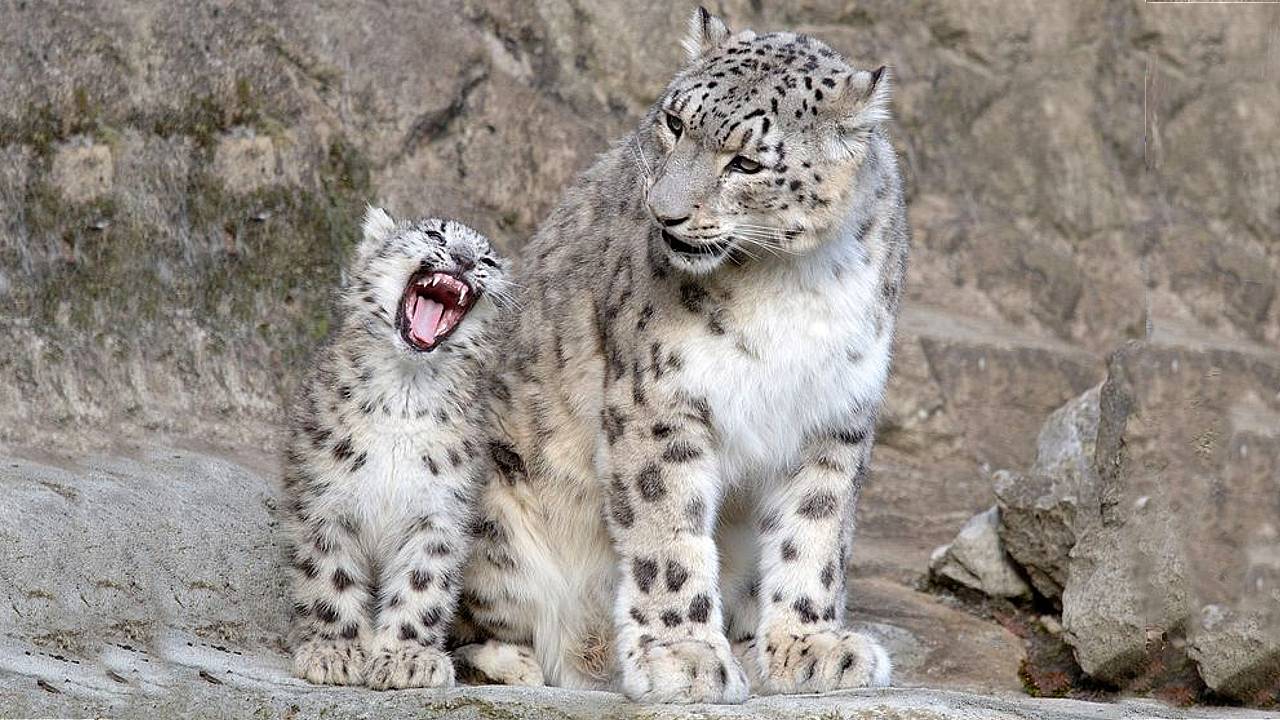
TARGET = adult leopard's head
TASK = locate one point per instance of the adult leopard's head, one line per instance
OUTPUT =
(762, 138)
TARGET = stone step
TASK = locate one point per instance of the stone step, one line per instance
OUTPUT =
(181, 675)
(121, 553)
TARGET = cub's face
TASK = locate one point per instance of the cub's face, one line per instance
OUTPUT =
(761, 139)
(425, 283)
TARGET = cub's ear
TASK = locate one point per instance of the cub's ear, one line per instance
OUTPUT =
(706, 32)
(378, 225)
(864, 100)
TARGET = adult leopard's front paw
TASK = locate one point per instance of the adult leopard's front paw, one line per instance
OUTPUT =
(822, 661)
(683, 671)
(330, 662)
(409, 665)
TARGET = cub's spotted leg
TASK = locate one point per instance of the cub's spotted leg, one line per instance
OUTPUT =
(806, 528)
(662, 493)
(416, 606)
(330, 594)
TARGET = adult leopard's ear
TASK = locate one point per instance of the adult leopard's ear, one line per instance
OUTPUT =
(706, 32)
(863, 100)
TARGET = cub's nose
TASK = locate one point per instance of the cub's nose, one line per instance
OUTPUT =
(671, 221)
(463, 261)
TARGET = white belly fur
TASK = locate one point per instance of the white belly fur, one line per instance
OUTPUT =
(800, 378)
(393, 487)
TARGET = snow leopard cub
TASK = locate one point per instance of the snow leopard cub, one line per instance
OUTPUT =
(385, 459)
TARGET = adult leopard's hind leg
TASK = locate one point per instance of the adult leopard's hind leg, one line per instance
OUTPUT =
(493, 638)
(748, 655)
(495, 662)
(806, 528)
(478, 657)
(737, 539)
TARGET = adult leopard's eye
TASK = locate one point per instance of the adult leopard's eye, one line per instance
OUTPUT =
(675, 124)
(744, 165)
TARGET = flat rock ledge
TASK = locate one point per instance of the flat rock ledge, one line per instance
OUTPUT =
(181, 675)
(196, 681)
(147, 584)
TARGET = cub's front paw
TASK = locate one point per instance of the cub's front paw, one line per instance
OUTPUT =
(330, 662)
(683, 671)
(822, 661)
(408, 665)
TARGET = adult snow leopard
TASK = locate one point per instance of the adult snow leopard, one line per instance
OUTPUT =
(690, 392)
(386, 456)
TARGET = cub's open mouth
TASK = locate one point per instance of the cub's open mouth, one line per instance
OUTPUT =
(708, 250)
(432, 307)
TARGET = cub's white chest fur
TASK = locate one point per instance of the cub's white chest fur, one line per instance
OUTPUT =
(802, 355)
(394, 481)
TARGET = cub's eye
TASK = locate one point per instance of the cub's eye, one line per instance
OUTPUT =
(675, 124)
(744, 165)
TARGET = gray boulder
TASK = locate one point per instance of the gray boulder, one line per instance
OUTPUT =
(1188, 469)
(116, 554)
(976, 559)
(1235, 653)
(1038, 509)
(1127, 586)
(1152, 496)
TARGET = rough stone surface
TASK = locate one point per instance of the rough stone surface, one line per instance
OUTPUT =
(1188, 456)
(1237, 655)
(118, 550)
(207, 685)
(199, 193)
(1127, 588)
(1151, 511)
(1038, 509)
(155, 543)
(147, 583)
(977, 559)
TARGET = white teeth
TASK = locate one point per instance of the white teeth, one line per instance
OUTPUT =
(447, 281)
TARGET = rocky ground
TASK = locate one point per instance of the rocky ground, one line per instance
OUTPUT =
(1147, 522)
(147, 583)
(178, 181)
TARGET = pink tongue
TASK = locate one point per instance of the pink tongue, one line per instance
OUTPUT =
(424, 319)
